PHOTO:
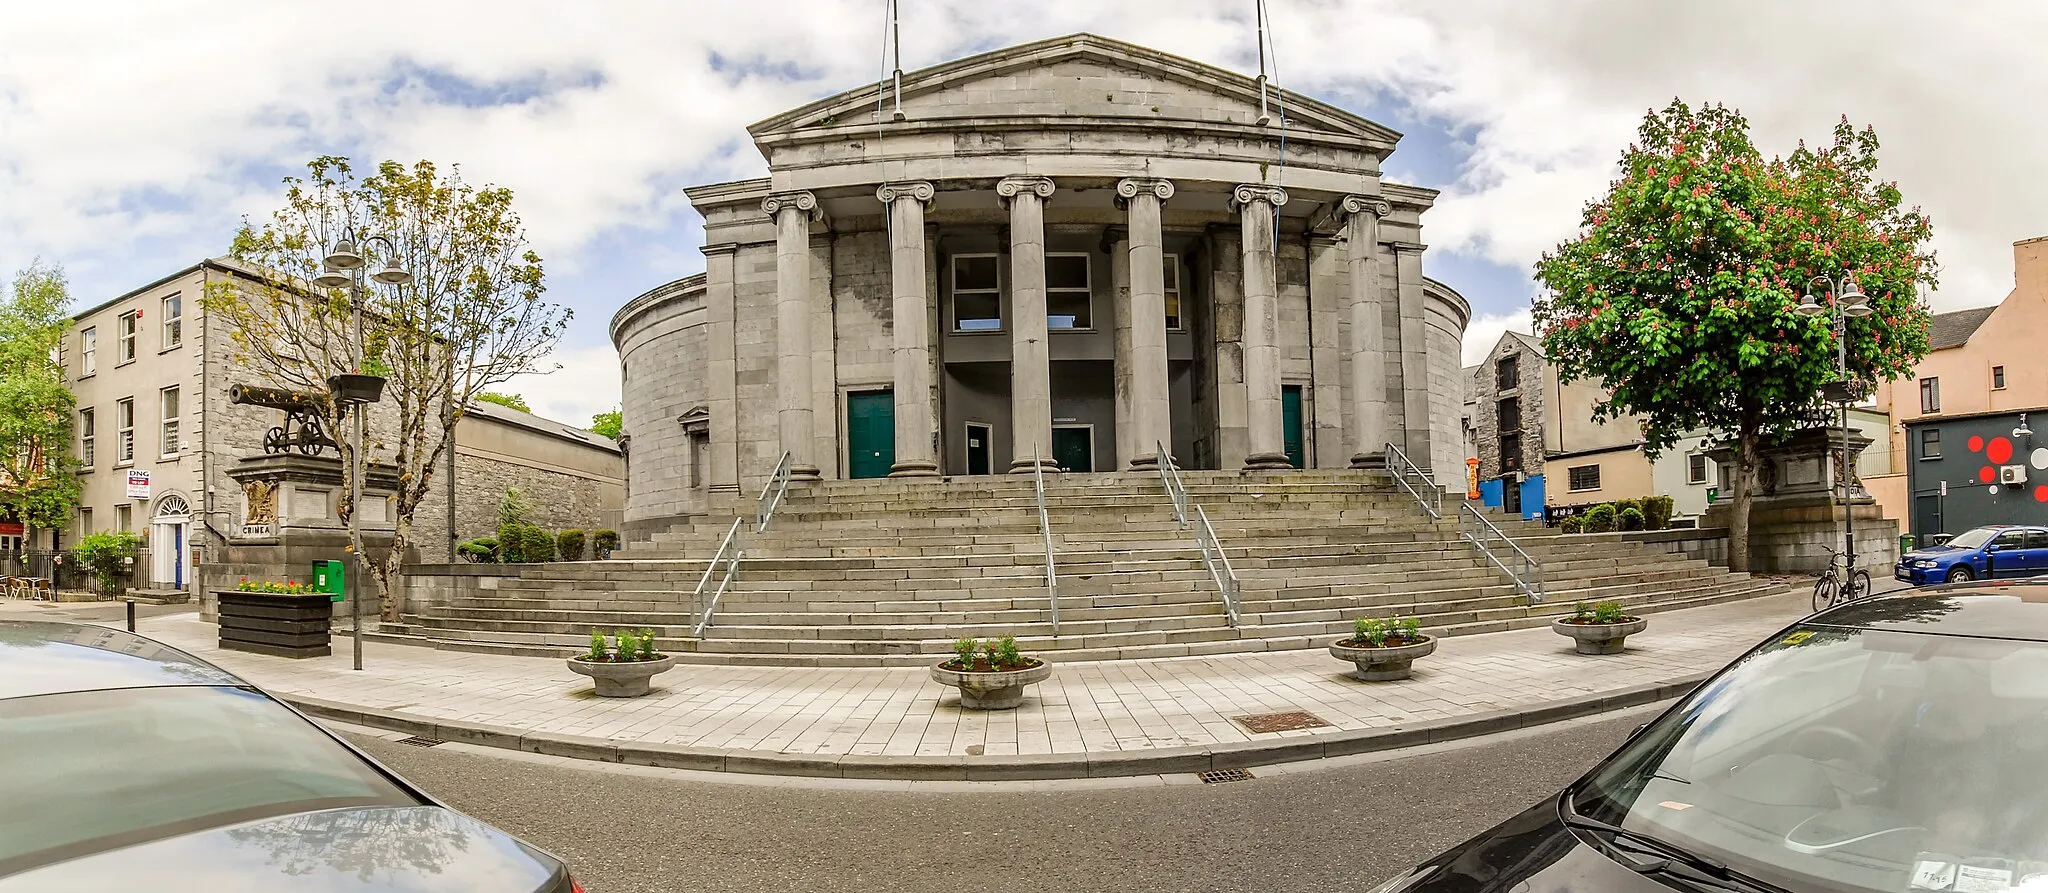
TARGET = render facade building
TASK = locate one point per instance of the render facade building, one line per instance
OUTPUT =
(1537, 441)
(1061, 256)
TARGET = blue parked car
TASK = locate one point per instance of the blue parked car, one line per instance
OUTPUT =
(1996, 552)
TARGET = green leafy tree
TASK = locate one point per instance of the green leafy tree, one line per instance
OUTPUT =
(1678, 293)
(609, 424)
(512, 400)
(38, 478)
(472, 318)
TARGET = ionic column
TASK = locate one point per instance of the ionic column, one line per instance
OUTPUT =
(1256, 205)
(909, 312)
(1368, 343)
(1150, 406)
(1030, 351)
(793, 212)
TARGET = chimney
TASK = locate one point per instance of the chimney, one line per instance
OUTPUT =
(2030, 267)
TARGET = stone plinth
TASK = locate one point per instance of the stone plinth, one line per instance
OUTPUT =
(290, 518)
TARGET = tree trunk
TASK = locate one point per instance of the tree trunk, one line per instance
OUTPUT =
(1738, 513)
(391, 571)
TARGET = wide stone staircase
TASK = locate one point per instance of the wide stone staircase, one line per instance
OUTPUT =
(890, 573)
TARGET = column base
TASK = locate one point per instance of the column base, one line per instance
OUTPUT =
(914, 468)
(1150, 462)
(1370, 461)
(1025, 465)
(1268, 462)
(804, 474)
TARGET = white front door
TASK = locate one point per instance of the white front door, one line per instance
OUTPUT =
(170, 550)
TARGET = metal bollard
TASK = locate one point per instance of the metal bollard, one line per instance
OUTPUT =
(131, 615)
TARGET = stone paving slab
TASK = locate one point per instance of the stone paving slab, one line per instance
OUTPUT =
(1090, 718)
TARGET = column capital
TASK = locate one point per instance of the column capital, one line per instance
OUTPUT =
(1363, 204)
(921, 190)
(1010, 187)
(1246, 193)
(801, 200)
(1132, 187)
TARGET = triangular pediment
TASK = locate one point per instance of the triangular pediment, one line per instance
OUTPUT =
(1080, 76)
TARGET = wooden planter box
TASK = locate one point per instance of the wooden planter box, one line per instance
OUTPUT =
(275, 624)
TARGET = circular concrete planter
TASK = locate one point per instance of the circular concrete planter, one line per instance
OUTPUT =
(1386, 663)
(1598, 638)
(622, 680)
(1002, 690)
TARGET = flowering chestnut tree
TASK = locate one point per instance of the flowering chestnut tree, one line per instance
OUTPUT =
(1678, 292)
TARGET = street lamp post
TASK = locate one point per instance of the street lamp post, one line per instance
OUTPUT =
(343, 268)
(1848, 301)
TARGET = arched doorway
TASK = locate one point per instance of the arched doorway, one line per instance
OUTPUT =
(170, 549)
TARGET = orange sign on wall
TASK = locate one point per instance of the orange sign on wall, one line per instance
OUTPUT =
(1471, 478)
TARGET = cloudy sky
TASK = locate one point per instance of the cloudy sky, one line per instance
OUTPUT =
(134, 135)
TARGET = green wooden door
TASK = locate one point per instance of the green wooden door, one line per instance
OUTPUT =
(1290, 422)
(870, 434)
(1073, 449)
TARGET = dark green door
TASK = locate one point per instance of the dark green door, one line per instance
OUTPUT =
(870, 434)
(1290, 422)
(980, 446)
(1074, 449)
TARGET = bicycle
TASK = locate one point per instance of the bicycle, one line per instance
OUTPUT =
(1829, 590)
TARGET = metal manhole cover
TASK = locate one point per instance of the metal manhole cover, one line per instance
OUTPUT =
(1220, 776)
(1260, 723)
(418, 741)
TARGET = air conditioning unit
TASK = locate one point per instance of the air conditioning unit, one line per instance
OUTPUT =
(2012, 474)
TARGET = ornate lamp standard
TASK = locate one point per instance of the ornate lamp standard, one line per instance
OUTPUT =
(1849, 301)
(343, 268)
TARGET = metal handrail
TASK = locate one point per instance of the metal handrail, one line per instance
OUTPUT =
(1213, 557)
(1530, 579)
(777, 486)
(1401, 467)
(730, 549)
(1052, 580)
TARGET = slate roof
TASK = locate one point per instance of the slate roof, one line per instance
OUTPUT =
(1953, 329)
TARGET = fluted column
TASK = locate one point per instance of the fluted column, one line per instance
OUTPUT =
(1368, 343)
(1256, 206)
(1030, 349)
(1151, 408)
(793, 212)
(909, 312)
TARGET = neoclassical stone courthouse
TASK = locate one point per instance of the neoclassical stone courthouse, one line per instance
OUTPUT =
(1063, 255)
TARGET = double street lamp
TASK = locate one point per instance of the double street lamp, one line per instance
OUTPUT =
(1848, 301)
(343, 268)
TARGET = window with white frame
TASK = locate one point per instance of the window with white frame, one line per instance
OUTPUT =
(85, 522)
(170, 421)
(124, 425)
(88, 352)
(1998, 378)
(1696, 468)
(85, 449)
(977, 293)
(1173, 293)
(126, 330)
(174, 321)
(1066, 292)
(126, 514)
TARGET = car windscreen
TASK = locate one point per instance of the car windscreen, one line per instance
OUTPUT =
(1973, 539)
(1851, 760)
(88, 772)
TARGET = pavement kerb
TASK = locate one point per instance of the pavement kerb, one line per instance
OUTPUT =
(1099, 764)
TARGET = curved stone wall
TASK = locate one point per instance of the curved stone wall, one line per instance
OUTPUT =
(660, 337)
(1448, 314)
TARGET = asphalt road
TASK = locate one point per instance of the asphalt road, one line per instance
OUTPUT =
(1327, 830)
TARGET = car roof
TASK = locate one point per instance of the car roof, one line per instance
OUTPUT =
(1999, 609)
(41, 658)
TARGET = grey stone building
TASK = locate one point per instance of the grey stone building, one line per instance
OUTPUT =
(1061, 255)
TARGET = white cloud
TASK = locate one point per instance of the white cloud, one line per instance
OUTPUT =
(1485, 331)
(586, 384)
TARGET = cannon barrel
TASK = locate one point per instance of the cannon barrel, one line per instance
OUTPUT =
(276, 398)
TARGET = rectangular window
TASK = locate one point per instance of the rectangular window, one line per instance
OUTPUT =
(1507, 375)
(85, 451)
(174, 321)
(1066, 292)
(1585, 477)
(126, 330)
(124, 424)
(1173, 292)
(1998, 378)
(1510, 415)
(1696, 468)
(170, 421)
(88, 352)
(1930, 443)
(977, 293)
(1930, 395)
(1510, 452)
(125, 513)
(85, 522)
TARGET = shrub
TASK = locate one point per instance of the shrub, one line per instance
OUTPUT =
(999, 654)
(513, 506)
(597, 646)
(108, 556)
(1657, 512)
(1599, 612)
(1599, 519)
(478, 551)
(511, 543)
(569, 544)
(964, 648)
(536, 544)
(1572, 525)
(1631, 518)
(603, 543)
(1374, 632)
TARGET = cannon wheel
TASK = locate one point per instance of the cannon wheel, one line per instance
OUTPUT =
(274, 442)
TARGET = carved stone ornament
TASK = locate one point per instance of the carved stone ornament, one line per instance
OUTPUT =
(921, 190)
(1246, 193)
(1359, 204)
(801, 200)
(1011, 187)
(1132, 187)
(262, 499)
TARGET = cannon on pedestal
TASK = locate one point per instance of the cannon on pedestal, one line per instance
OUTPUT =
(301, 430)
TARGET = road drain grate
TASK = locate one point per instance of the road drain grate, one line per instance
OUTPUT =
(1220, 776)
(1292, 720)
(418, 741)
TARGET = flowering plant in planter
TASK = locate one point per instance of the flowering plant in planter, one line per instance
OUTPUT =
(992, 674)
(622, 665)
(1599, 628)
(631, 647)
(1384, 650)
(288, 587)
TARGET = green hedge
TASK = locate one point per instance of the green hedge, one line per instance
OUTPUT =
(603, 543)
(1630, 518)
(569, 544)
(1600, 519)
